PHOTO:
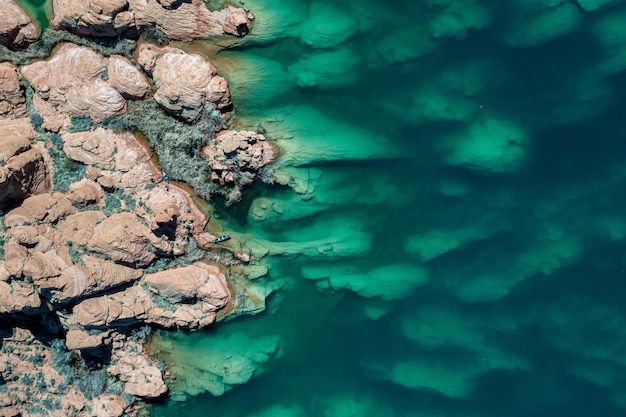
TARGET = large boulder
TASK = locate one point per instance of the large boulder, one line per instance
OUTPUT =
(23, 168)
(179, 20)
(16, 29)
(125, 239)
(184, 285)
(202, 289)
(233, 153)
(127, 79)
(114, 160)
(73, 83)
(186, 84)
(12, 99)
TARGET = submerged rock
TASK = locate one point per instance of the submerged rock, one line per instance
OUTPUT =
(535, 24)
(296, 128)
(490, 145)
(388, 282)
(228, 359)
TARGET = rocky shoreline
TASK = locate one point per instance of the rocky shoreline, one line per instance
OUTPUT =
(98, 246)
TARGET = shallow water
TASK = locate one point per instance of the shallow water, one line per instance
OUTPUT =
(507, 194)
(39, 10)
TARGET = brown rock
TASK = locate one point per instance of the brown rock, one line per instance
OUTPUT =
(4, 274)
(238, 153)
(91, 148)
(187, 21)
(204, 240)
(48, 208)
(243, 256)
(24, 235)
(18, 297)
(12, 98)
(123, 308)
(90, 17)
(94, 277)
(129, 81)
(15, 137)
(78, 227)
(15, 256)
(179, 20)
(23, 359)
(43, 266)
(194, 282)
(86, 193)
(167, 204)
(237, 23)
(80, 339)
(181, 82)
(184, 82)
(107, 275)
(71, 84)
(218, 92)
(203, 287)
(125, 239)
(16, 28)
(138, 371)
(23, 169)
(121, 161)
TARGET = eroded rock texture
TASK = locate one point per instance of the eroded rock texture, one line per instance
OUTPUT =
(186, 84)
(16, 29)
(23, 170)
(179, 20)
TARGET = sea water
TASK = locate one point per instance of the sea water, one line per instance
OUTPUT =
(451, 241)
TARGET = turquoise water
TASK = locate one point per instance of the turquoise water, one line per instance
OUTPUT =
(39, 10)
(467, 160)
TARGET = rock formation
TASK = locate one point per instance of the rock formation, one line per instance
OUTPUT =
(235, 155)
(72, 84)
(186, 84)
(12, 100)
(114, 160)
(16, 29)
(179, 20)
(23, 170)
(38, 377)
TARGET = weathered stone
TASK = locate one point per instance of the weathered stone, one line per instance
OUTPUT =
(125, 239)
(71, 83)
(185, 83)
(16, 28)
(12, 98)
(23, 168)
(129, 81)
(237, 152)
(179, 20)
